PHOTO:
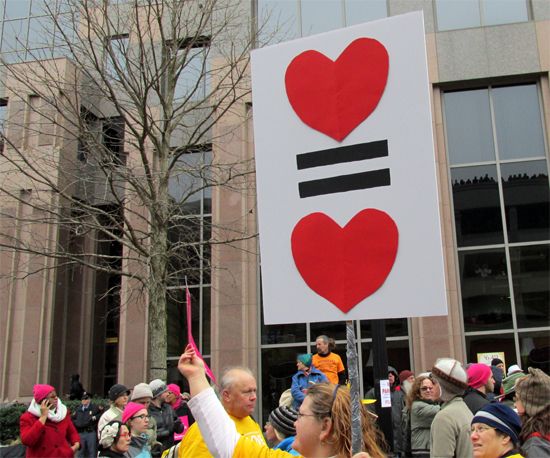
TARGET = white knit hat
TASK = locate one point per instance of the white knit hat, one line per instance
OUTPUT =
(451, 376)
(141, 390)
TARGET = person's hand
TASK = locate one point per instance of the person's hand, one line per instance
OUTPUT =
(75, 447)
(189, 364)
(44, 408)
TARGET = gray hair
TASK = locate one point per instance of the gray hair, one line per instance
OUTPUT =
(229, 376)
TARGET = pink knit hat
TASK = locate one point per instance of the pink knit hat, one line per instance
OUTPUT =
(40, 392)
(478, 374)
(174, 389)
(130, 410)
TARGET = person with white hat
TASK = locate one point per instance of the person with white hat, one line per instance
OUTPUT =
(450, 431)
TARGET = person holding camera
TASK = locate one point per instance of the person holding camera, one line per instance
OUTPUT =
(46, 427)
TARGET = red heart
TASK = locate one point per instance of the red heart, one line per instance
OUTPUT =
(335, 97)
(345, 265)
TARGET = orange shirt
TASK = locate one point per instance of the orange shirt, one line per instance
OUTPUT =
(329, 365)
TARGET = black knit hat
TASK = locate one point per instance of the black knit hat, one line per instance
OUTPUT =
(282, 419)
(118, 390)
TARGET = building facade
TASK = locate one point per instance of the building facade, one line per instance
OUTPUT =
(489, 64)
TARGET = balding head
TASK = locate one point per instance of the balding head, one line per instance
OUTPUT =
(238, 391)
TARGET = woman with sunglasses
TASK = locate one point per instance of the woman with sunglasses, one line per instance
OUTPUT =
(422, 408)
(323, 427)
(46, 427)
(114, 440)
(136, 418)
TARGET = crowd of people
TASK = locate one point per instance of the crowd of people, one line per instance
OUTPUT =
(476, 410)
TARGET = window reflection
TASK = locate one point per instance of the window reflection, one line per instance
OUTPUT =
(490, 344)
(395, 327)
(484, 288)
(457, 14)
(478, 219)
(518, 122)
(468, 127)
(507, 12)
(277, 21)
(358, 11)
(535, 350)
(531, 274)
(527, 200)
(321, 16)
(334, 329)
(398, 357)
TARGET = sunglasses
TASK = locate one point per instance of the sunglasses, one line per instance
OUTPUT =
(427, 388)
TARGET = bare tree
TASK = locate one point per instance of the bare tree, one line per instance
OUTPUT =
(114, 142)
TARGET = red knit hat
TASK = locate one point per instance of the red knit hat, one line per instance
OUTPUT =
(130, 410)
(404, 375)
(40, 392)
(478, 374)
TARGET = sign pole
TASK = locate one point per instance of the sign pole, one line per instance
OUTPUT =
(353, 374)
(380, 366)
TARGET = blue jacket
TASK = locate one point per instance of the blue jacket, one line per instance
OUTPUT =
(286, 445)
(301, 381)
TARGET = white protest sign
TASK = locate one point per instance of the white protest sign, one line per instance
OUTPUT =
(385, 393)
(347, 194)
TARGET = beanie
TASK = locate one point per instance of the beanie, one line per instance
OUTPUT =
(404, 375)
(509, 383)
(130, 410)
(478, 374)
(174, 389)
(305, 359)
(283, 419)
(533, 391)
(451, 377)
(141, 390)
(40, 392)
(157, 387)
(118, 390)
(500, 417)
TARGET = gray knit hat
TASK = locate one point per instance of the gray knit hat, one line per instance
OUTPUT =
(533, 391)
(451, 376)
(282, 419)
(157, 387)
(141, 390)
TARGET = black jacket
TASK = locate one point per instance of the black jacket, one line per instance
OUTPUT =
(167, 424)
(86, 420)
(475, 399)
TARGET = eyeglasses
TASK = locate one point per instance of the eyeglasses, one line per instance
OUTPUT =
(480, 429)
(427, 388)
(142, 417)
(124, 434)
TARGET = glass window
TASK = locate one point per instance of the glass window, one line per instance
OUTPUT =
(395, 327)
(478, 219)
(116, 52)
(484, 288)
(457, 14)
(278, 367)
(277, 21)
(527, 200)
(40, 7)
(333, 329)
(282, 333)
(530, 275)
(322, 16)
(534, 349)
(518, 122)
(491, 343)
(17, 8)
(468, 127)
(398, 357)
(192, 82)
(358, 11)
(14, 36)
(504, 12)
(40, 32)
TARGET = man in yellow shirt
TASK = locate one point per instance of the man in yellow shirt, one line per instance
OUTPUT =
(329, 363)
(238, 396)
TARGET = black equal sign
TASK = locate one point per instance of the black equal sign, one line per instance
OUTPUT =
(344, 183)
